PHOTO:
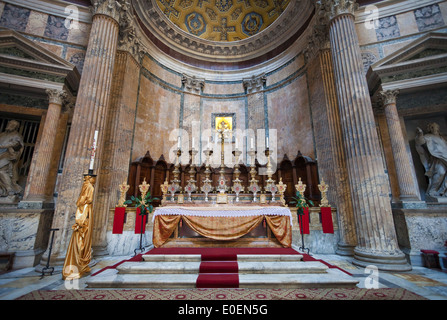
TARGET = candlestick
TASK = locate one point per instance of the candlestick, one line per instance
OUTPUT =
(92, 156)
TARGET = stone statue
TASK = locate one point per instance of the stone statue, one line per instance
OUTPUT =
(432, 149)
(11, 148)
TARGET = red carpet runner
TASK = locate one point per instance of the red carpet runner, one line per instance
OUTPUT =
(218, 267)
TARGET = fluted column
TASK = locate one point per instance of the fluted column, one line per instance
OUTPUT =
(407, 190)
(89, 115)
(376, 237)
(37, 192)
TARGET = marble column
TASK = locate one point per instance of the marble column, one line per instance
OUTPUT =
(38, 193)
(329, 141)
(407, 189)
(369, 186)
(89, 115)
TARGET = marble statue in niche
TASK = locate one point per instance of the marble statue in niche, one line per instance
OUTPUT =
(11, 148)
(432, 150)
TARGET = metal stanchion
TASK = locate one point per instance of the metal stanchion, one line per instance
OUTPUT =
(49, 256)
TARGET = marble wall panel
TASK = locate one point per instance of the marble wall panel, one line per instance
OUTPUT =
(286, 71)
(54, 48)
(79, 34)
(56, 28)
(37, 23)
(429, 17)
(388, 28)
(407, 23)
(157, 116)
(166, 75)
(366, 33)
(223, 88)
(289, 114)
(14, 17)
(76, 57)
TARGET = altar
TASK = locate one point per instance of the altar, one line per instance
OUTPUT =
(222, 223)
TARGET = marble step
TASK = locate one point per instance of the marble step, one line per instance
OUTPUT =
(240, 257)
(333, 278)
(149, 267)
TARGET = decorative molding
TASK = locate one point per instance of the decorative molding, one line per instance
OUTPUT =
(128, 38)
(193, 84)
(157, 24)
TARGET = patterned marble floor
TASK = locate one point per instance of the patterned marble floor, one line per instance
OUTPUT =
(429, 283)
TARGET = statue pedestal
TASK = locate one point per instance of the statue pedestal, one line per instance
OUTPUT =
(436, 199)
(10, 201)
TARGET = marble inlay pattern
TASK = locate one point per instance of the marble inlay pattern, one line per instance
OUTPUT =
(429, 17)
(15, 17)
(56, 29)
(388, 28)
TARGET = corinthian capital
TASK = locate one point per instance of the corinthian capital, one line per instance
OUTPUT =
(388, 97)
(56, 96)
(111, 8)
(330, 9)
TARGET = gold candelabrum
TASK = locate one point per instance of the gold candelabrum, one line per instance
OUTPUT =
(323, 187)
(124, 187)
(222, 187)
(175, 184)
(253, 187)
(207, 187)
(270, 183)
(281, 189)
(237, 185)
(300, 187)
(164, 190)
(144, 188)
(191, 186)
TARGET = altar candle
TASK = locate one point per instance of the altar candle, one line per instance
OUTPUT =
(192, 147)
(236, 143)
(252, 143)
(267, 144)
(178, 143)
(92, 156)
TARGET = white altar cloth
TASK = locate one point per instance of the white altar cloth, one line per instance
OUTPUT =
(224, 211)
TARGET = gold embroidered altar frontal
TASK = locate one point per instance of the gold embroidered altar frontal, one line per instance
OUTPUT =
(224, 223)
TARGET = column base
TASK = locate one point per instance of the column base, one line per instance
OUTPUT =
(345, 249)
(35, 204)
(409, 204)
(385, 262)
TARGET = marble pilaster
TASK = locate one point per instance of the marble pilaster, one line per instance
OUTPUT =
(117, 144)
(369, 187)
(37, 192)
(329, 140)
(89, 115)
(407, 190)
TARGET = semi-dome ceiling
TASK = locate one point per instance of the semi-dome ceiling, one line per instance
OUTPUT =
(222, 20)
(191, 30)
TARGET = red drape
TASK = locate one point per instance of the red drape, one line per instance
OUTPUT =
(118, 220)
(304, 221)
(138, 220)
(326, 220)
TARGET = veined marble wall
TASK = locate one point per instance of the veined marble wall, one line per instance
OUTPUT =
(165, 104)
(385, 28)
(52, 31)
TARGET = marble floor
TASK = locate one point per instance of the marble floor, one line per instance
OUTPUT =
(429, 283)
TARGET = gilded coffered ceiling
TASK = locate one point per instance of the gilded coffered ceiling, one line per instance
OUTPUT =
(222, 20)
